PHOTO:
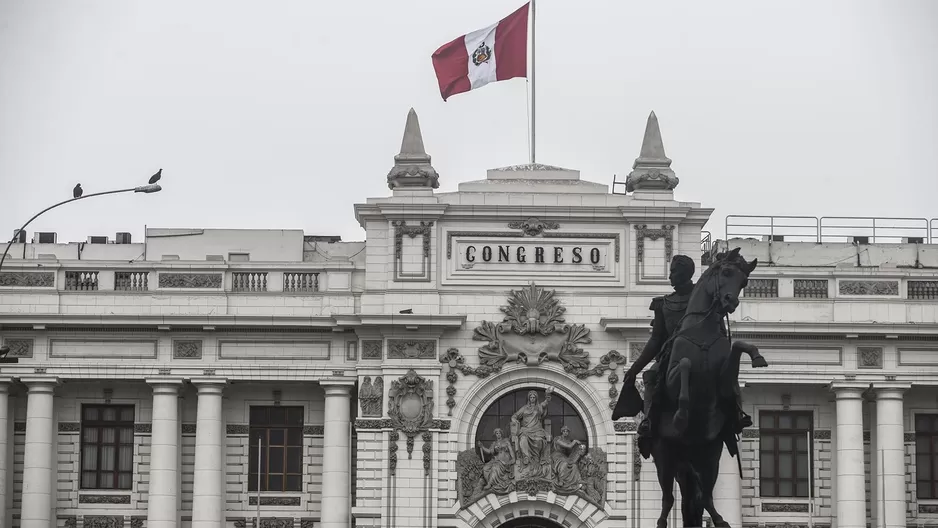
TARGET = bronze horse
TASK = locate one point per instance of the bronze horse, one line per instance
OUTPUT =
(697, 392)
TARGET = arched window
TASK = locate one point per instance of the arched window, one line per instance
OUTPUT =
(559, 413)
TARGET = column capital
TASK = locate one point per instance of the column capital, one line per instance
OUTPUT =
(209, 385)
(37, 384)
(165, 385)
(889, 390)
(337, 389)
(845, 390)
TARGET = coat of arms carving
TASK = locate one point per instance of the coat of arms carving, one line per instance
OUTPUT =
(533, 331)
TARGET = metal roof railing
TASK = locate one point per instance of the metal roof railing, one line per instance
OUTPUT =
(832, 229)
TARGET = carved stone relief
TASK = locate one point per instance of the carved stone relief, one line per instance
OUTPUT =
(20, 348)
(27, 279)
(371, 396)
(104, 521)
(137, 521)
(103, 499)
(71, 521)
(275, 501)
(371, 349)
(410, 410)
(533, 226)
(527, 461)
(533, 331)
(635, 350)
(190, 280)
(869, 357)
(187, 349)
(411, 349)
(869, 287)
(642, 232)
(784, 507)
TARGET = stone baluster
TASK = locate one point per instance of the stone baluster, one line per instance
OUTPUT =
(208, 500)
(39, 460)
(851, 481)
(163, 495)
(336, 456)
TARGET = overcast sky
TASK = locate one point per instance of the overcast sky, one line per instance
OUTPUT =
(284, 114)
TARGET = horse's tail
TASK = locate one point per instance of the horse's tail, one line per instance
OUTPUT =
(694, 500)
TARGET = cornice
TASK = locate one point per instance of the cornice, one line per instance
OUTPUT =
(887, 330)
(336, 322)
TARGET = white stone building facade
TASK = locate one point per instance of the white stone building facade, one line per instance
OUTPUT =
(148, 374)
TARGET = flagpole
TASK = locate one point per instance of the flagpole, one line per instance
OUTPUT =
(533, 105)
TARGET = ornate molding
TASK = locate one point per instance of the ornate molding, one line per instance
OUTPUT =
(42, 279)
(869, 357)
(20, 348)
(237, 429)
(625, 427)
(187, 349)
(410, 410)
(274, 501)
(908, 438)
(401, 229)
(143, 428)
(190, 280)
(411, 348)
(314, 430)
(822, 434)
(642, 232)
(928, 508)
(868, 287)
(371, 396)
(533, 226)
(188, 428)
(104, 521)
(752, 434)
(103, 499)
(70, 522)
(785, 507)
(427, 448)
(393, 437)
(307, 522)
(136, 521)
(635, 349)
(371, 348)
(69, 427)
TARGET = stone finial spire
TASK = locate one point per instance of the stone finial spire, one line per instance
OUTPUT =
(652, 169)
(412, 167)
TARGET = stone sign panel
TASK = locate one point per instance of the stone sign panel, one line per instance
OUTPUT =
(509, 257)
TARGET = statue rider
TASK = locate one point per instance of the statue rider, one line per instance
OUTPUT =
(668, 312)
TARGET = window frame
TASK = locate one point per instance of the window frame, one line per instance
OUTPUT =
(266, 429)
(102, 424)
(932, 455)
(794, 433)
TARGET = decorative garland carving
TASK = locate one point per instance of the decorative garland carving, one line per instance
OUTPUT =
(371, 396)
(784, 507)
(869, 357)
(137, 521)
(20, 348)
(411, 348)
(393, 438)
(364, 425)
(314, 430)
(103, 499)
(274, 501)
(104, 521)
(642, 232)
(71, 521)
(868, 287)
(401, 228)
(42, 279)
(533, 226)
(371, 349)
(187, 349)
(427, 452)
(190, 280)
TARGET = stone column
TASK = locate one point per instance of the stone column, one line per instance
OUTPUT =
(336, 457)
(5, 441)
(39, 460)
(163, 497)
(208, 499)
(851, 486)
(728, 493)
(889, 457)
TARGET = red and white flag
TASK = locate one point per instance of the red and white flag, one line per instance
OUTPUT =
(496, 53)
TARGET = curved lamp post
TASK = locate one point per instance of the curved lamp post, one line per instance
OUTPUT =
(151, 188)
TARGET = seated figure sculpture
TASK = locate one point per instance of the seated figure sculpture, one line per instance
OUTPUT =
(565, 462)
(498, 472)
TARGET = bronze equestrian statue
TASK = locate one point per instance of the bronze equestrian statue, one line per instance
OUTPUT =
(686, 446)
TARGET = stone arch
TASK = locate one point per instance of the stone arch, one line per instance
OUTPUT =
(593, 409)
(564, 510)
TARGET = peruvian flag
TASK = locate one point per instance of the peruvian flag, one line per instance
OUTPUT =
(496, 53)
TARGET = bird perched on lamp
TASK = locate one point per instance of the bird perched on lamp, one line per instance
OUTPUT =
(156, 177)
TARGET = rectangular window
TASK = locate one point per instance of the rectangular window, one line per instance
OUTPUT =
(107, 447)
(279, 430)
(926, 456)
(783, 453)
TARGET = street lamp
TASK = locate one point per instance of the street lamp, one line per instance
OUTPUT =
(146, 189)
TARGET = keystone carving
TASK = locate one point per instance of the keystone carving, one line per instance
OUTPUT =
(533, 227)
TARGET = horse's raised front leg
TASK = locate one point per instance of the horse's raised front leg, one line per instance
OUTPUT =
(755, 358)
(682, 416)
